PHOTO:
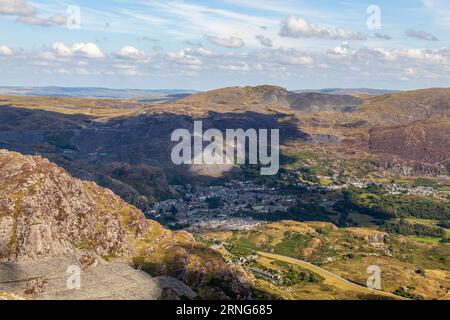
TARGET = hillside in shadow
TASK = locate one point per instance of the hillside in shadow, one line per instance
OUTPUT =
(130, 155)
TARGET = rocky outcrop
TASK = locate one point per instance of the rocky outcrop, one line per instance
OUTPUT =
(325, 139)
(9, 296)
(400, 167)
(46, 214)
(85, 276)
(313, 102)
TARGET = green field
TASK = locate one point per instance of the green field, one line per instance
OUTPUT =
(427, 240)
(427, 222)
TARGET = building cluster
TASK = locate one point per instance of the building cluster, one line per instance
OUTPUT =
(240, 205)
(227, 206)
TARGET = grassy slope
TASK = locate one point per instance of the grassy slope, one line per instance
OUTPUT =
(400, 258)
(330, 278)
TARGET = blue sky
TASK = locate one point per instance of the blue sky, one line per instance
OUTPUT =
(198, 44)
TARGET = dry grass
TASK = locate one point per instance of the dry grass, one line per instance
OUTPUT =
(395, 274)
(99, 108)
(330, 278)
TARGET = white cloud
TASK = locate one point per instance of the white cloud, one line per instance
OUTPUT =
(294, 27)
(76, 71)
(286, 56)
(341, 50)
(424, 56)
(239, 66)
(421, 35)
(34, 20)
(232, 42)
(26, 13)
(184, 57)
(397, 56)
(205, 52)
(61, 50)
(88, 50)
(382, 36)
(5, 51)
(58, 20)
(129, 52)
(291, 65)
(81, 49)
(265, 41)
(16, 7)
(46, 55)
(128, 70)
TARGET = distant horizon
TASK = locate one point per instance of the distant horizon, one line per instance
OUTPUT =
(212, 88)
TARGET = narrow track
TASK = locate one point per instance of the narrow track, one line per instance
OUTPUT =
(330, 278)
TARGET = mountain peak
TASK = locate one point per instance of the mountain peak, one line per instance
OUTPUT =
(237, 96)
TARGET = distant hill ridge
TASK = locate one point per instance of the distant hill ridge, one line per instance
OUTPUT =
(349, 91)
(308, 102)
(92, 92)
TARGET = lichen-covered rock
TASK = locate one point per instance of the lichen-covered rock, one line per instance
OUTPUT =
(9, 296)
(45, 212)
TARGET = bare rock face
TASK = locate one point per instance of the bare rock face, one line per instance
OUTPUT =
(45, 212)
(75, 276)
(9, 296)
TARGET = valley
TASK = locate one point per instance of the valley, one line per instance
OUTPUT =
(364, 180)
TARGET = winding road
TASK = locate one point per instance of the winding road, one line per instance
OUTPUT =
(330, 278)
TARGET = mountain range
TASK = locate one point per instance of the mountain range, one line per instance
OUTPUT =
(80, 176)
(113, 141)
(90, 92)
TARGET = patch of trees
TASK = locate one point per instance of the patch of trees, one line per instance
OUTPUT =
(375, 202)
(413, 229)
(214, 203)
(60, 139)
(444, 224)
(406, 292)
(309, 174)
(423, 182)
(292, 277)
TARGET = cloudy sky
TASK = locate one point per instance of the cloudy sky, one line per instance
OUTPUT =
(199, 44)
